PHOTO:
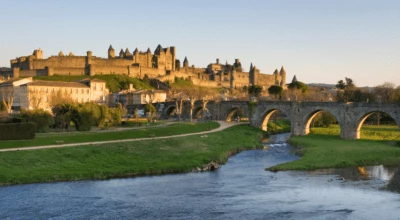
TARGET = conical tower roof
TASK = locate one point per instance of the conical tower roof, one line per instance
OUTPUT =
(110, 48)
(148, 50)
(159, 49)
(127, 51)
(276, 71)
(136, 50)
(283, 71)
(294, 79)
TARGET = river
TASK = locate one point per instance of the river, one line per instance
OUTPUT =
(241, 189)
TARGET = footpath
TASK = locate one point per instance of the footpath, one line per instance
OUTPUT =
(223, 125)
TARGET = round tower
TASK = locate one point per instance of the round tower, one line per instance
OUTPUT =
(283, 77)
(111, 52)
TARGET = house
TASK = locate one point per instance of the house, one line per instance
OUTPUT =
(134, 97)
(29, 94)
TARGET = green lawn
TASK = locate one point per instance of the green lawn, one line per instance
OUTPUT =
(79, 137)
(324, 149)
(150, 157)
(278, 126)
(382, 132)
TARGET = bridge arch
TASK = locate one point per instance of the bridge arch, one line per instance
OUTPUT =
(169, 110)
(308, 118)
(267, 116)
(231, 112)
(360, 121)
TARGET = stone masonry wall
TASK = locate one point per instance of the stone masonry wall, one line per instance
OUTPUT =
(71, 62)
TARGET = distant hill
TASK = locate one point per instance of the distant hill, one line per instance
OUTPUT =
(325, 85)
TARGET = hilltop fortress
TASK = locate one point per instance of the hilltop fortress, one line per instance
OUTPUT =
(162, 64)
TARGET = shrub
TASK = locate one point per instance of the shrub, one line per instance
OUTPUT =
(42, 119)
(17, 131)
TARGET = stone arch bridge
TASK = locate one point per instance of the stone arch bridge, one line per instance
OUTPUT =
(350, 116)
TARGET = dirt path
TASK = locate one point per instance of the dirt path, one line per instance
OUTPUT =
(223, 125)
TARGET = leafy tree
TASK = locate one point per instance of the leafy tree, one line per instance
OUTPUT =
(298, 85)
(63, 114)
(348, 92)
(323, 119)
(104, 112)
(116, 114)
(275, 90)
(349, 83)
(82, 118)
(341, 84)
(255, 91)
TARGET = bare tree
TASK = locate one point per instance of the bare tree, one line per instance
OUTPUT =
(59, 97)
(386, 92)
(37, 98)
(7, 95)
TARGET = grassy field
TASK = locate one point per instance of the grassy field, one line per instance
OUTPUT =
(151, 157)
(81, 137)
(323, 148)
(278, 126)
(382, 132)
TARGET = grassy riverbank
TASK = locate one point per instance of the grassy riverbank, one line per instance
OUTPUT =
(324, 149)
(151, 157)
(82, 137)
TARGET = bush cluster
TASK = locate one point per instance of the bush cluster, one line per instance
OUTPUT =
(86, 115)
(17, 131)
(41, 118)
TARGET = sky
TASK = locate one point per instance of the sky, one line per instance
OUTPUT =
(319, 41)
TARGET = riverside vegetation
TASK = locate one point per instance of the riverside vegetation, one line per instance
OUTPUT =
(150, 157)
(323, 148)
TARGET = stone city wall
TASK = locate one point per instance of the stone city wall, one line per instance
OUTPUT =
(67, 71)
(111, 62)
(71, 62)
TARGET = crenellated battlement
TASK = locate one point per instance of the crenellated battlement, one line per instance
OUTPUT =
(162, 64)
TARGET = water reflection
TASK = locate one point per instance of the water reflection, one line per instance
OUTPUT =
(384, 173)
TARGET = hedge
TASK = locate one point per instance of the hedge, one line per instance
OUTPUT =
(17, 131)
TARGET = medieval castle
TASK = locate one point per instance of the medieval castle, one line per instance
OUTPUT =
(162, 64)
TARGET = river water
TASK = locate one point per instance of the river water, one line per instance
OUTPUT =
(241, 189)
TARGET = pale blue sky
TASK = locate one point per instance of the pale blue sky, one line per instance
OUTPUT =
(317, 40)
